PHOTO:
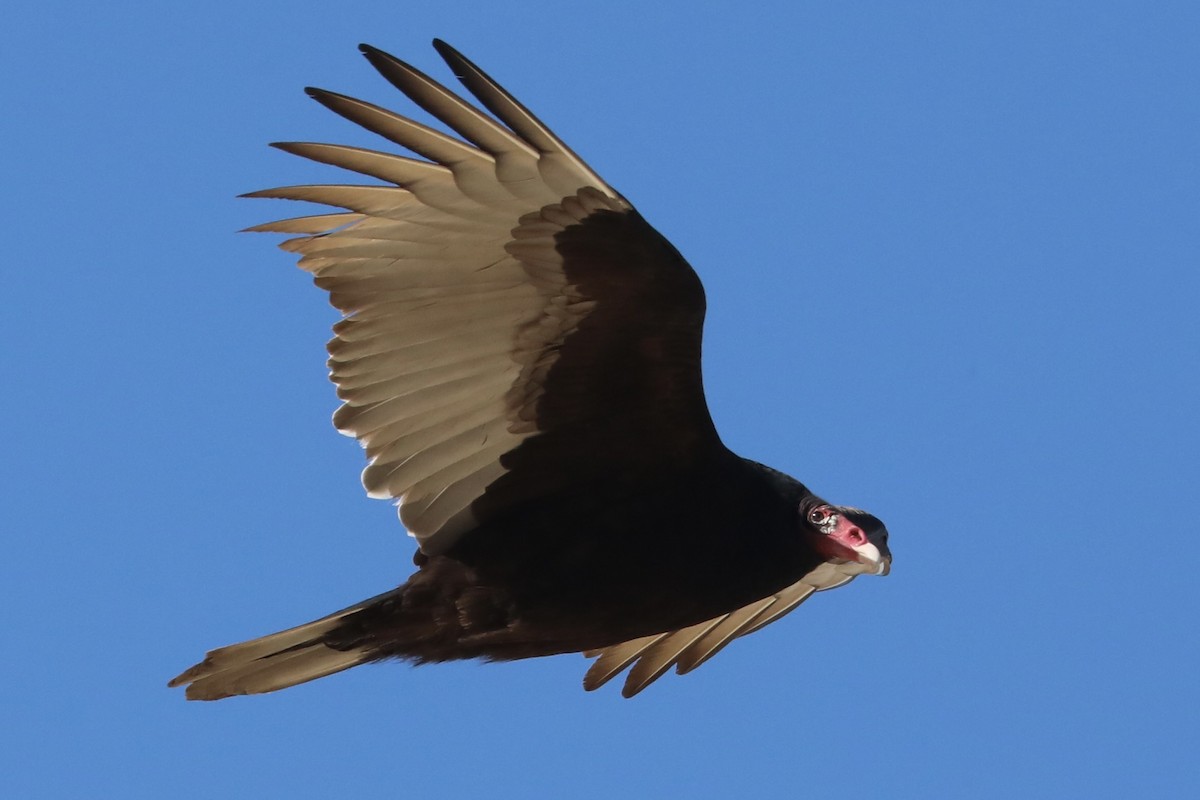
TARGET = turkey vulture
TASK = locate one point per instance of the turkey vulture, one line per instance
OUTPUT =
(520, 358)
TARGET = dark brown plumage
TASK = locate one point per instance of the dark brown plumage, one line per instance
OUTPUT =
(520, 357)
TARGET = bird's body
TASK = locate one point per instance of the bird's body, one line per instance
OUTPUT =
(522, 586)
(521, 359)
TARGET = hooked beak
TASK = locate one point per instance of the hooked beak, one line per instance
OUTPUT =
(869, 556)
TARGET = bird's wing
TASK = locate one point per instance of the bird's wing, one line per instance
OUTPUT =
(688, 648)
(512, 325)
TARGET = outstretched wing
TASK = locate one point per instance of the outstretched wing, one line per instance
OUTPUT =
(512, 325)
(687, 649)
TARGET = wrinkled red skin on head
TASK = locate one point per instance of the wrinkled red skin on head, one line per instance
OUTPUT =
(840, 543)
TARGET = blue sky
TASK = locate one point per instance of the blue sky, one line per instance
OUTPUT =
(978, 222)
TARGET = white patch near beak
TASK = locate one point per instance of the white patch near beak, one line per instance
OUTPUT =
(869, 555)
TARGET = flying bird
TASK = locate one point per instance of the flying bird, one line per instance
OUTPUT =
(520, 358)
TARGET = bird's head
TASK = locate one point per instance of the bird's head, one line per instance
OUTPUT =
(841, 533)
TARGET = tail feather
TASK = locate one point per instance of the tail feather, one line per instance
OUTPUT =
(276, 661)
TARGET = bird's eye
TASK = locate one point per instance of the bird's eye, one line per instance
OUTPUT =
(819, 516)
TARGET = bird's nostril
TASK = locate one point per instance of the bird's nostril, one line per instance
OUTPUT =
(856, 536)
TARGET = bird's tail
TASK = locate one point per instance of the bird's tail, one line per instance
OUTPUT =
(282, 659)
